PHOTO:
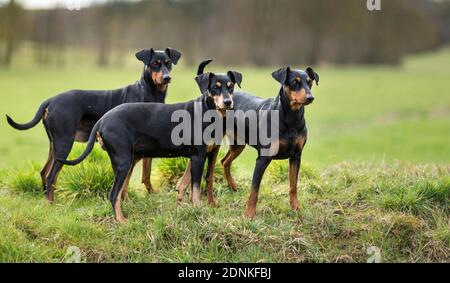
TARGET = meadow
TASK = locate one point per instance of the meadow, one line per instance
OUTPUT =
(375, 175)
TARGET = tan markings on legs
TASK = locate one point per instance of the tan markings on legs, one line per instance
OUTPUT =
(301, 141)
(233, 153)
(293, 178)
(46, 169)
(250, 211)
(146, 173)
(126, 184)
(196, 195)
(183, 183)
(210, 179)
(117, 209)
(50, 192)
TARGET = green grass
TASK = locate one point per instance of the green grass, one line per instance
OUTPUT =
(402, 209)
(93, 178)
(168, 171)
(375, 172)
(360, 113)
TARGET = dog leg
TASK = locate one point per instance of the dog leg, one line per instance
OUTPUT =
(146, 173)
(46, 169)
(52, 178)
(122, 170)
(232, 154)
(183, 183)
(212, 157)
(124, 194)
(51, 156)
(260, 168)
(294, 166)
(198, 162)
(62, 150)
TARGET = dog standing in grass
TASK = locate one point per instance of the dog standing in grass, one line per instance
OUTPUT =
(134, 131)
(294, 95)
(70, 116)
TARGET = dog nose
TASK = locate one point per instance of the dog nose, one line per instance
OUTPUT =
(166, 78)
(227, 102)
(310, 98)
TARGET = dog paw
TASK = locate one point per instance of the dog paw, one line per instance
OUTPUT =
(294, 205)
(234, 187)
(250, 213)
(213, 203)
(122, 220)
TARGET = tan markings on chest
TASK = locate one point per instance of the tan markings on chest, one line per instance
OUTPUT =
(300, 142)
(277, 146)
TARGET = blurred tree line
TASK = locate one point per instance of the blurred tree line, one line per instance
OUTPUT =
(255, 32)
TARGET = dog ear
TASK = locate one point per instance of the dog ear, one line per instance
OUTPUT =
(145, 55)
(281, 75)
(173, 54)
(203, 81)
(236, 77)
(313, 75)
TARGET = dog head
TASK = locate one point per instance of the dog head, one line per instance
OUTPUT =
(219, 89)
(297, 85)
(159, 64)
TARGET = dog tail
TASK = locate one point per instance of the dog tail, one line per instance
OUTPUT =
(33, 122)
(89, 147)
(202, 66)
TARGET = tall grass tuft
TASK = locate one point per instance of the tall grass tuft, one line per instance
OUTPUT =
(169, 170)
(25, 179)
(91, 178)
(417, 198)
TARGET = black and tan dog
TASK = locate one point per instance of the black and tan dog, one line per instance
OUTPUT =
(294, 95)
(211, 155)
(133, 131)
(70, 116)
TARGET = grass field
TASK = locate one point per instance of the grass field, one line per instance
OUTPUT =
(376, 173)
